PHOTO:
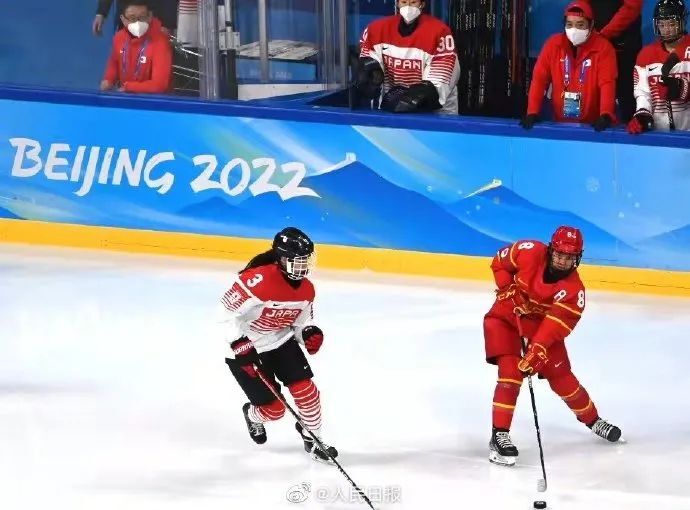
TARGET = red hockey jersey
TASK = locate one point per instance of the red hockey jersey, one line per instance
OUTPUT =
(592, 72)
(558, 305)
(650, 93)
(428, 53)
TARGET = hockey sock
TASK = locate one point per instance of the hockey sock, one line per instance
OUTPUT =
(506, 392)
(308, 402)
(267, 412)
(576, 397)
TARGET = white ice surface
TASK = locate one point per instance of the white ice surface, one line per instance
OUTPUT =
(114, 395)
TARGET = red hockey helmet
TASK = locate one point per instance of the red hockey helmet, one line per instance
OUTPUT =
(565, 249)
(567, 240)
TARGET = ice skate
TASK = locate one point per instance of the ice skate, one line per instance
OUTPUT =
(312, 448)
(605, 430)
(256, 429)
(502, 451)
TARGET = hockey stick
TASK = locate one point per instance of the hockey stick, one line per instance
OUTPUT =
(541, 484)
(280, 397)
(670, 62)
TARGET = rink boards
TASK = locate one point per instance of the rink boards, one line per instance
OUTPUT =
(403, 194)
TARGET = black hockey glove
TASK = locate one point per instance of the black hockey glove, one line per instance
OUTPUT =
(678, 89)
(602, 123)
(529, 120)
(369, 78)
(669, 64)
(246, 356)
(420, 97)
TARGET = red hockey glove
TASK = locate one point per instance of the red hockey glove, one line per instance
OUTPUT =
(245, 355)
(534, 359)
(641, 122)
(520, 299)
(313, 338)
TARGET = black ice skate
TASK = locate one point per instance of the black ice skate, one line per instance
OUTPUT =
(501, 448)
(256, 429)
(604, 429)
(312, 448)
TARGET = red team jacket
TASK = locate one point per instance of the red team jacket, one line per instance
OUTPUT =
(141, 64)
(428, 53)
(650, 93)
(628, 12)
(592, 72)
(556, 308)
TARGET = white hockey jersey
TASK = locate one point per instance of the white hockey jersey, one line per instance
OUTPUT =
(265, 308)
(650, 93)
(428, 53)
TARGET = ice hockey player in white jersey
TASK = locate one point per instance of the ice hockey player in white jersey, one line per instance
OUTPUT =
(266, 314)
(409, 60)
(662, 73)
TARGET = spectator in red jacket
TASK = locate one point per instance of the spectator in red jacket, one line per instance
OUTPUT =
(580, 65)
(141, 58)
(620, 22)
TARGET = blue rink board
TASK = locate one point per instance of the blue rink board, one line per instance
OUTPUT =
(465, 187)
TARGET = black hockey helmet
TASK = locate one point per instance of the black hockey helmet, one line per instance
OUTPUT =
(294, 252)
(670, 10)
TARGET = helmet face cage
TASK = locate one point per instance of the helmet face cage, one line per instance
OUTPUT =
(670, 11)
(300, 267)
(554, 249)
(294, 252)
(671, 37)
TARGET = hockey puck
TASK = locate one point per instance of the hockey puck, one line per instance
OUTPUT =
(540, 504)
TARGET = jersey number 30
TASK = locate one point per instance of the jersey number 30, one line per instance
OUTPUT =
(445, 43)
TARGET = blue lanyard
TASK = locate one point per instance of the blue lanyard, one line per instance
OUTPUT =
(566, 74)
(137, 67)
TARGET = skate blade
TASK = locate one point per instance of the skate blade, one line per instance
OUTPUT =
(495, 458)
(318, 459)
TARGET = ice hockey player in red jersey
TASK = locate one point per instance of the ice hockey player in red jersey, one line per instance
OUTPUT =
(267, 314)
(410, 60)
(540, 284)
(662, 73)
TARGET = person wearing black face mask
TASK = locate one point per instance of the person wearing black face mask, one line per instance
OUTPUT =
(409, 60)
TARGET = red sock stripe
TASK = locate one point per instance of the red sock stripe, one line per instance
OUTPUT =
(270, 412)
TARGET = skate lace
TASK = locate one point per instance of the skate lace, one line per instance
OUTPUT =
(602, 428)
(256, 428)
(503, 439)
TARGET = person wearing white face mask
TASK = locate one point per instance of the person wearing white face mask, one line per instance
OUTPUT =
(141, 57)
(409, 61)
(580, 66)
